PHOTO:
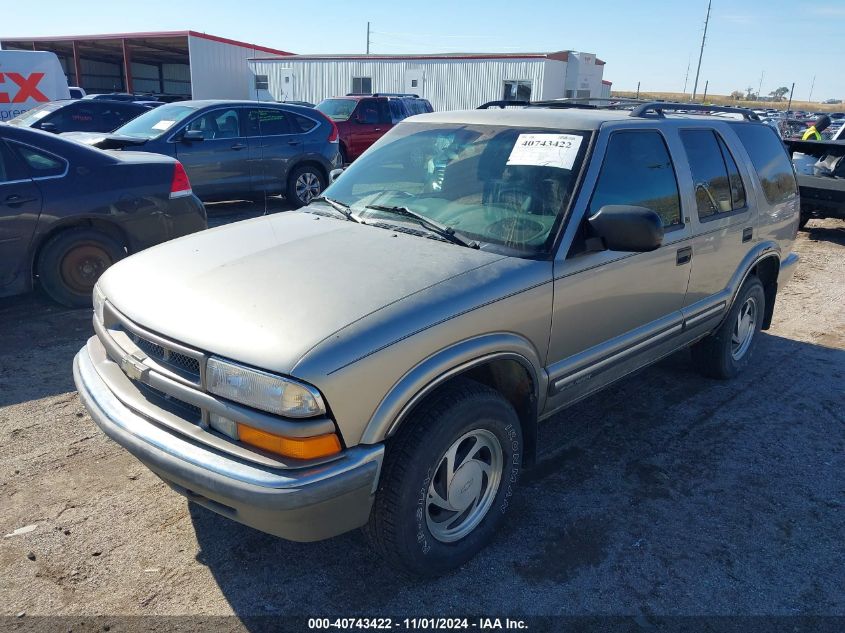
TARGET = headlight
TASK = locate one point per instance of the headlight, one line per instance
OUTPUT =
(99, 300)
(262, 390)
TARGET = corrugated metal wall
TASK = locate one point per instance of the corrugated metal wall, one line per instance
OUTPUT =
(448, 84)
(219, 70)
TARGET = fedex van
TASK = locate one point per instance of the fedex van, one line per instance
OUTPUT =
(27, 79)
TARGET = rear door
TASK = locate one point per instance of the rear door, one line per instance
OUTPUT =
(218, 165)
(274, 144)
(722, 216)
(20, 206)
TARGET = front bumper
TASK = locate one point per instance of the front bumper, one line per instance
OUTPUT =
(306, 504)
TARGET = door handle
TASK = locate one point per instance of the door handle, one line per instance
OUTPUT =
(238, 146)
(684, 255)
(378, 129)
(747, 234)
(15, 199)
(294, 142)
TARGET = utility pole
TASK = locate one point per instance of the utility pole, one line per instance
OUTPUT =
(789, 105)
(760, 87)
(704, 97)
(638, 90)
(813, 85)
(701, 53)
(368, 38)
(686, 77)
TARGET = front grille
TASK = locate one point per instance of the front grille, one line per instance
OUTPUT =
(183, 365)
(171, 404)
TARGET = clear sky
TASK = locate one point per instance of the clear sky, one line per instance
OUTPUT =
(650, 41)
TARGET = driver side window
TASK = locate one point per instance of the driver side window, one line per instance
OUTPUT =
(219, 124)
(637, 170)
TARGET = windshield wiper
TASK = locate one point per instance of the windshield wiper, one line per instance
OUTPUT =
(340, 207)
(446, 232)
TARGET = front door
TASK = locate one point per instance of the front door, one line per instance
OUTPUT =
(614, 311)
(218, 165)
(20, 206)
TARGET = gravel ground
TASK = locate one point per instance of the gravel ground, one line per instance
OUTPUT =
(666, 494)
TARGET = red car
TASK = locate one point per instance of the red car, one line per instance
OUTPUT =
(363, 119)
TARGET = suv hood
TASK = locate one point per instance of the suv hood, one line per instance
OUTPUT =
(266, 291)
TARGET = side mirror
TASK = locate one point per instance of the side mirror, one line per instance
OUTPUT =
(334, 174)
(49, 127)
(191, 136)
(628, 228)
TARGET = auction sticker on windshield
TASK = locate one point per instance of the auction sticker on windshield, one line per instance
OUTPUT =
(545, 150)
(163, 125)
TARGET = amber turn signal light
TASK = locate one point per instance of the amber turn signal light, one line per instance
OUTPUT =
(295, 447)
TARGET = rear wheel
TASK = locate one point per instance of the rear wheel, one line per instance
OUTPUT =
(727, 351)
(71, 263)
(304, 184)
(447, 480)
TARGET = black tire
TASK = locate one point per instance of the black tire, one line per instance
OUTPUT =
(312, 174)
(398, 528)
(71, 262)
(719, 355)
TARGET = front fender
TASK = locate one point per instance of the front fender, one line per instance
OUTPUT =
(421, 379)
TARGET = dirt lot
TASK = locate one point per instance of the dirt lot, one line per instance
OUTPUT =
(667, 494)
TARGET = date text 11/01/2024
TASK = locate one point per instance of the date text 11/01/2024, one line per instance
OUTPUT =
(431, 624)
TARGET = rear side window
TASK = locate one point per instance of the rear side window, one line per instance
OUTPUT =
(770, 160)
(11, 168)
(113, 116)
(268, 122)
(397, 111)
(41, 164)
(637, 170)
(301, 124)
(718, 187)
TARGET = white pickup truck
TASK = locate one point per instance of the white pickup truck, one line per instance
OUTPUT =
(28, 78)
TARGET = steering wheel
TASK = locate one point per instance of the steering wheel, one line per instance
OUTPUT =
(516, 230)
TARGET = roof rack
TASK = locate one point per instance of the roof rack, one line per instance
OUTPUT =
(658, 108)
(382, 94)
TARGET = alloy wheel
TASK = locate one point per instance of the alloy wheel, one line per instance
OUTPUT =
(744, 328)
(307, 187)
(464, 485)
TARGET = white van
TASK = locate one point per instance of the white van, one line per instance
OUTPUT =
(28, 78)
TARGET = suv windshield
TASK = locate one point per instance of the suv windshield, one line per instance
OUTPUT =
(504, 187)
(337, 109)
(35, 114)
(156, 122)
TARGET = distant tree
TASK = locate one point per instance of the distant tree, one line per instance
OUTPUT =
(779, 94)
(750, 95)
(737, 95)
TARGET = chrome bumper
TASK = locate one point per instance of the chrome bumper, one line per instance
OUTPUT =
(305, 504)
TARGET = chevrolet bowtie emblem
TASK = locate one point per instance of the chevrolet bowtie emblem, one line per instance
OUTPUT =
(133, 367)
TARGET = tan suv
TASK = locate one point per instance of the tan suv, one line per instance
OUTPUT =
(384, 356)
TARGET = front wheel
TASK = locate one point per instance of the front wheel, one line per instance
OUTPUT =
(447, 481)
(727, 351)
(304, 184)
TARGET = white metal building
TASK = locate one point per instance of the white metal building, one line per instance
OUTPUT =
(184, 63)
(448, 81)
